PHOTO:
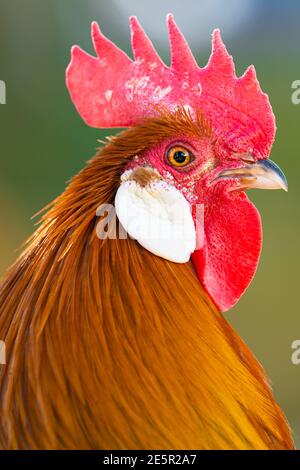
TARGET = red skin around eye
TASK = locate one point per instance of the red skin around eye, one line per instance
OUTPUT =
(228, 259)
(109, 89)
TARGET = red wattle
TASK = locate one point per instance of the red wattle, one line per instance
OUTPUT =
(233, 238)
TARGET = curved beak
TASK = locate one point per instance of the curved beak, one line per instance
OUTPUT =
(264, 174)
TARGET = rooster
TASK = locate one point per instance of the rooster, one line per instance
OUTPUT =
(119, 342)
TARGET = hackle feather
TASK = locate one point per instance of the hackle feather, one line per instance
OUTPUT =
(111, 347)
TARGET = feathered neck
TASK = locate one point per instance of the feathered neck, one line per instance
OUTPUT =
(111, 347)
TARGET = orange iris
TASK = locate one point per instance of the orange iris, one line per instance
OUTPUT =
(179, 156)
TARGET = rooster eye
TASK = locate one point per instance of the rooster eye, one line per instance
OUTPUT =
(179, 156)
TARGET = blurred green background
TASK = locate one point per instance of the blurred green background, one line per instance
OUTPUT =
(44, 142)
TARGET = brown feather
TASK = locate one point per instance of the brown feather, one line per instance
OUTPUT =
(111, 347)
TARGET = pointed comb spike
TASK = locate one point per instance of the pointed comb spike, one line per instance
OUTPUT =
(111, 90)
(249, 78)
(142, 47)
(181, 55)
(97, 36)
(105, 48)
(220, 59)
(250, 72)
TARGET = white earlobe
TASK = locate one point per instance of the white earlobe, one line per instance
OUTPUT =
(158, 216)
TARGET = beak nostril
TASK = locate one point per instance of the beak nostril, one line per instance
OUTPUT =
(246, 157)
(264, 174)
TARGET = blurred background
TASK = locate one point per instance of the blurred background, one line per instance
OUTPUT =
(43, 142)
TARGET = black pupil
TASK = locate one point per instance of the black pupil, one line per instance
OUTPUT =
(179, 156)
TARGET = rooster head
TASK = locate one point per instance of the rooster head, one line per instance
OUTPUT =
(203, 136)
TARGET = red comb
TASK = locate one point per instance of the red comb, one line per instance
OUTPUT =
(111, 90)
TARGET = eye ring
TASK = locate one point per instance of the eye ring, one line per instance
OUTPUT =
(179, 156)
